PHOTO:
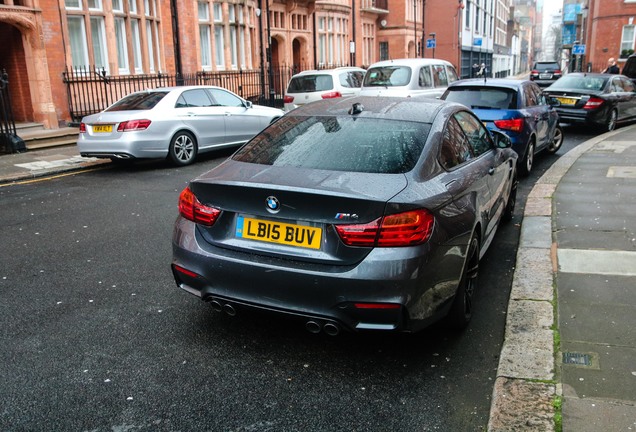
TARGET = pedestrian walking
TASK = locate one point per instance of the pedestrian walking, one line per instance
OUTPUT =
(611, 67)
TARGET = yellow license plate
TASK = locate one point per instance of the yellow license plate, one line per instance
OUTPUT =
(102, 128)
(566, 101)
(277, 232)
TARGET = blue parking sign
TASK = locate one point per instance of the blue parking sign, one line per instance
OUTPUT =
(430, 43)
(578, 49)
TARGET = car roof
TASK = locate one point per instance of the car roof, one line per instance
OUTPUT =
(592, 74)
(329, 71)
(423, 110)
(491, 82)
(410, 62)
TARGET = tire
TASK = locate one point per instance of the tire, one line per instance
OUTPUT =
(557, 140)
(610, 121)
(525, 164)
(461, 310)
(183, 149)
(509, 211)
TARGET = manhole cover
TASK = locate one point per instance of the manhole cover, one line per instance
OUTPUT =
(577, 359)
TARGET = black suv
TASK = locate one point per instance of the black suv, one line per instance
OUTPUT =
(545, 73)
(629, 70)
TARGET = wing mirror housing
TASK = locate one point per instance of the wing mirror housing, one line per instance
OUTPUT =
(501, 139)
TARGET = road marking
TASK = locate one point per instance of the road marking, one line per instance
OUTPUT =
(605, 262)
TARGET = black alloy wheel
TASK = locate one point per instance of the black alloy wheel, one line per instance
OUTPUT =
(509, 211)
(462, 309)
(610, 121)
(557, 140)
(525, 164)
(183, 149)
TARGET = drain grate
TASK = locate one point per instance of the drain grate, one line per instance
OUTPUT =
(577, 359)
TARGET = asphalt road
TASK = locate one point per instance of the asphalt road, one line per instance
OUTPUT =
(96, 336)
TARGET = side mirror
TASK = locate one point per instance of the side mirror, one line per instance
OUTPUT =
(501, 139)
(248, 104)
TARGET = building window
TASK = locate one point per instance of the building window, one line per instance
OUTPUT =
(77, 37)
(332, 41)
(205, 35)
(122, 48)
(89, 33)
(368, 33)
(627, 39)
(384, 51)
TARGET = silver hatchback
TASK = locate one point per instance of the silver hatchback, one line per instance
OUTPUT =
(314, 85)
(174, 122)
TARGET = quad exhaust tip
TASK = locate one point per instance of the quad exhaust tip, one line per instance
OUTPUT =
(329, 328)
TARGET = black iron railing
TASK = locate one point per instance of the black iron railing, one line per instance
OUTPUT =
(91, 90)
(9, 140)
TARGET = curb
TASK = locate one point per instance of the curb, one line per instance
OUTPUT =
(526, 384)
(9, 179)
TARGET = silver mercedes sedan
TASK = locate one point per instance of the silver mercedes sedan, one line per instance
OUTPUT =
(173, 122)
(360, 214)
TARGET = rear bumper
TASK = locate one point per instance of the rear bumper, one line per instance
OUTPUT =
(420, 292)
(572, 115)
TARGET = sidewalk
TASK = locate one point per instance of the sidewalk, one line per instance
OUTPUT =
(38, 163)
(574, 288)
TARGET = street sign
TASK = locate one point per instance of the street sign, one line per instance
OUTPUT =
(430, 43)
(578, 49)
(477, 42)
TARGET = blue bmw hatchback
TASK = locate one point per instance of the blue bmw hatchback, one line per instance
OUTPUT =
(517, 108)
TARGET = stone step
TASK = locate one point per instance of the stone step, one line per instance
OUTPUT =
(45, 138)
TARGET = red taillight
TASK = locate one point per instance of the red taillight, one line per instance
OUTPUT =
(133, 125)
(402, 229)
(515, 125)
(593, 103)
(288, 99)
(376, 305)
(192, 209)
(185, 271)
(534, 72)
(332, 95)
(82, 127)
(557, 72)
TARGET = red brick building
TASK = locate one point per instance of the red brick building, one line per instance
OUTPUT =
(42, 39)
(610, 29)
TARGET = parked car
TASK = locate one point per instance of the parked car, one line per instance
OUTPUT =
(602, 100)
(545, 73)
(312, 85)
(517, 108)
(174, 122)
(412, 77)
(366, 213)
(629, 69)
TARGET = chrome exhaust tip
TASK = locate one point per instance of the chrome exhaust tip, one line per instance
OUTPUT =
(229, 309)
(331, 329)
(312, 327)
(216, 306)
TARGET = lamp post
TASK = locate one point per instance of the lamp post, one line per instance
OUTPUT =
(432, 35)
(269, 58)
(415, 28)
(259, 13)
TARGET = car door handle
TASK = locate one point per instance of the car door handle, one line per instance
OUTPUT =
(191, 114)
(228, 113)
(491, 171)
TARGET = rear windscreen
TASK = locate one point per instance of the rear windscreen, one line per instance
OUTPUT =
(138, 101)
(387, 76)
(483, 98)
(542, 67)
(310, 83)
(580, 82)
(338, 143)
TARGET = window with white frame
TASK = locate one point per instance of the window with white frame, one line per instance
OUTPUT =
(136, 45)
(219, 52)
(205, 35)
(122, 46)
(333, 45)
(627, 39)
(77, 39)
(89, 35)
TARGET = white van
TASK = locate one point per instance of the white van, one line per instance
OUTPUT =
(414, 77)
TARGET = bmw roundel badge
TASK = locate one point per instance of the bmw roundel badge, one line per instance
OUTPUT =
(273, 205)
